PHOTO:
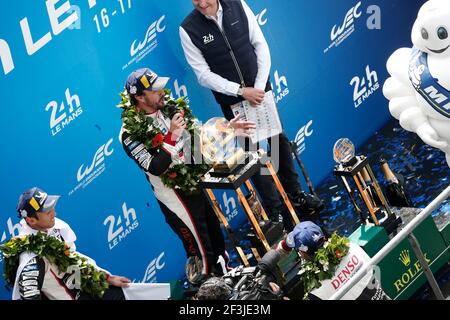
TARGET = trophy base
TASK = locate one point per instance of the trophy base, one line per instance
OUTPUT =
(224, 170)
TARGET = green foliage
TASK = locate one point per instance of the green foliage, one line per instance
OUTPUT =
(93, 282)
(324, 262)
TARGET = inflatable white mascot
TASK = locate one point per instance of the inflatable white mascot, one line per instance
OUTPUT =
(419, 86)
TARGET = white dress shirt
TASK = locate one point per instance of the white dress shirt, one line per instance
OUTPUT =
(212, 80)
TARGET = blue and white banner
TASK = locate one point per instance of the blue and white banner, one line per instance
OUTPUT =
(64, 62)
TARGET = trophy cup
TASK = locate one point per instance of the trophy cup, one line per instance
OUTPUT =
(357, 167)
(220, 148)
(232, 168)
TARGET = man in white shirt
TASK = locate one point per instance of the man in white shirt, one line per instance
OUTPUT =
(226, 48)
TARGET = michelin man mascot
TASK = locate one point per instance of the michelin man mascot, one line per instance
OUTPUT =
(419, 86)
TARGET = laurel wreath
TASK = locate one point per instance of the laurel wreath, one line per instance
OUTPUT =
(179, 176)
(324, 262)
(93, 282)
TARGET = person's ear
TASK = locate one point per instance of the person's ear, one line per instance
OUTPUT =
(140, 98)
(31, 221)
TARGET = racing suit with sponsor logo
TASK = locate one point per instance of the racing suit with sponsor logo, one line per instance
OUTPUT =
(38, 279)
(190, 216)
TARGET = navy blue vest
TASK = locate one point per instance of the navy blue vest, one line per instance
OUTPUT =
(206, 36)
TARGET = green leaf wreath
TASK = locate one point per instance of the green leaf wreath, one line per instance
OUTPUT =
(323, 263)
(93, 282)
(179, 176)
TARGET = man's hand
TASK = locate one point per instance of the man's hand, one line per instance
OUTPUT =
(254, 96)
(242, 128)
(118, 281)
(177, 125)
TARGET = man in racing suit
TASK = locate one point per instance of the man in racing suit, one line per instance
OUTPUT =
(191, 216)
(36, 277)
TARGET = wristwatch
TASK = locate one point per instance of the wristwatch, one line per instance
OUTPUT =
(240, 91)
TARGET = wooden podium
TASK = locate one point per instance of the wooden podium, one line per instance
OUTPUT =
(235, 179)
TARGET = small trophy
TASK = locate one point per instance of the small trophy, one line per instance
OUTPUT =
(358, 168)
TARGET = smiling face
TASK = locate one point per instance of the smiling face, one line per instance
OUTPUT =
(431, 31)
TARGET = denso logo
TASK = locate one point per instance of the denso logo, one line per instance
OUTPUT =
(153, 29)
(99, 157)
(349, 19)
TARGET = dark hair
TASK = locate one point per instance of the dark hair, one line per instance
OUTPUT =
(133, 99)
(214, 288)
(32, 215)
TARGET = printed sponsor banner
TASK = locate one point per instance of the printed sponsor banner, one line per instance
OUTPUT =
(64, 62)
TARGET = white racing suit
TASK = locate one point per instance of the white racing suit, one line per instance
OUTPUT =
(37, 278)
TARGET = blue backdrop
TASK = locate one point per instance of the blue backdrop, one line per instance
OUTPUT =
(63, 64)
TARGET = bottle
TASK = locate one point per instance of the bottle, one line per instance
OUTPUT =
(370, 188)
(395, 191)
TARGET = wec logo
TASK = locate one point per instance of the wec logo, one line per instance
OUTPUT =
(301, 136)
(150, 35)
(260, 17)
(99, 157)
(349, 19)
(152, 268)
(339, 33)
